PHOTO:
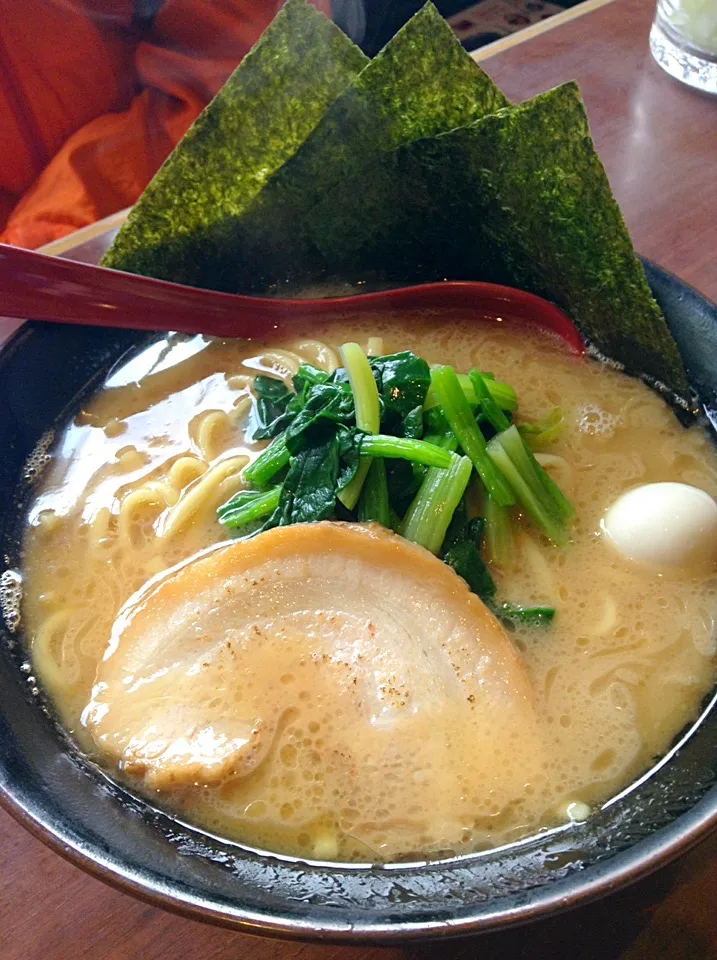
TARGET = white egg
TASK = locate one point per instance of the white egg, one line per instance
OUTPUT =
(669, 525)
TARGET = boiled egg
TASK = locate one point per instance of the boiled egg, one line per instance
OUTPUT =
(668, 525)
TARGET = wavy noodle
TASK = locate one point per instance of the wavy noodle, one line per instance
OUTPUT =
(281, 363)
(186, 470)
(155, 494)
(608, 619)
(316, 353)
(50, 649)
(549, 460)
(99, 530)
(375, 347)
(239, 381)
(552, 462)
(211, 432)
(84, 641)
(533, 557)
(192, 486)
(164, 489)
(242, 405)
(204, 494)
(129, 458)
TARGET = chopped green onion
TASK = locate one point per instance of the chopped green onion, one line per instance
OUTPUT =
(368, 412)
(544, 518)
(499, 541)
(247, 506)
(503, 394)
(268, 463)
(490, 408)
(403, 448)
(428, 517)
(460, 417)
(373, 504)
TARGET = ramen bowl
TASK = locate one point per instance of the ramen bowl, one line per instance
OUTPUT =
(62, 797)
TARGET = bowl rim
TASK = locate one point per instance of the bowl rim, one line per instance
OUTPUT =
(575, 889)
(602, 879)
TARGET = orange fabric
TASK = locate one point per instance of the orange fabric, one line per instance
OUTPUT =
(94, 109)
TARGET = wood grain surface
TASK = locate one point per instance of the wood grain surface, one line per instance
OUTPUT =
(658, 141)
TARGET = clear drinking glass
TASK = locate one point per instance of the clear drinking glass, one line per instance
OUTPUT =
(683, 40)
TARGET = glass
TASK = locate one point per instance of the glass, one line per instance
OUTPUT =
(683, 40)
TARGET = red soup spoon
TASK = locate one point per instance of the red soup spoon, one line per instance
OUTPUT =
(34, 286)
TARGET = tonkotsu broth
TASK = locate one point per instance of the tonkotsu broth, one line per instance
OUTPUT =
(132, 490)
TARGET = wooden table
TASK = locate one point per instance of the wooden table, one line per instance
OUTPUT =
(658, 141)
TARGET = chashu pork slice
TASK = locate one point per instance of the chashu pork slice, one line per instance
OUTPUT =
(329, 653)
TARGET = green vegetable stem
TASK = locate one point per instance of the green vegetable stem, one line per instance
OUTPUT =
(268, 463)
(499, 540)
(403, 448)
(373, 504)
(428, 517)
(503, 394)
(460, 418)
(247, 506)
(368, 412)
(529, 491)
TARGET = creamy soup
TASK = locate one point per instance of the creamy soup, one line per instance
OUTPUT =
(549, 722)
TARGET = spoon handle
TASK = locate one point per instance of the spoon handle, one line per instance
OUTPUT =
(34, 286)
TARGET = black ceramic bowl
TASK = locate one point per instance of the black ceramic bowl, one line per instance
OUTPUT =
(69, 804)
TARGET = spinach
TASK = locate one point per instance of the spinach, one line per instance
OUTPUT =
(403, 380)
(413, 424)
(324, 460)
(277, 409)
(308, 376)
(248, 507)
(349, 439)
(322, 401)
(462, 554)
(464, 557)
(269, 413)
(515, 616)
(403, 479)
(435, 421)
(309, 490)
(461, 528)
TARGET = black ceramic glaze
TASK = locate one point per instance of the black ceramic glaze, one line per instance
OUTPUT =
(57, 794)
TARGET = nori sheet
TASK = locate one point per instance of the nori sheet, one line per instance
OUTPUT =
(183, 221)
(418, 169)
(518, 197)
(533, 189)
(422, 83)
